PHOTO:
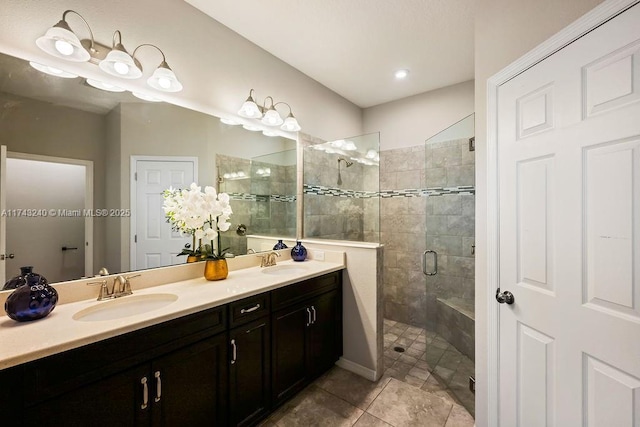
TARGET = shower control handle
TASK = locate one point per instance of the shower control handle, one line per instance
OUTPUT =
(505, 297)
(435, 263)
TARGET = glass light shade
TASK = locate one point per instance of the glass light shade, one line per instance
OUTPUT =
(228, 121)
(290, 124)
(52, 70)
(164, 79)
(146, 97)
(350, 146)
(120, 64)
(272, 118)
(250, 110)
(252, 128)
(269, 133)
(104, 86)
(63, 43)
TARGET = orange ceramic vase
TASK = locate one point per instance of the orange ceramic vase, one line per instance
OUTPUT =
(216, 269)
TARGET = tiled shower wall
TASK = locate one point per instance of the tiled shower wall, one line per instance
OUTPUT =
(264, 204)
(347, 211)
(427, 202)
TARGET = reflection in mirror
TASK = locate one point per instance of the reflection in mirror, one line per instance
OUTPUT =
(66, 118)
(263, 196)
(342, 188)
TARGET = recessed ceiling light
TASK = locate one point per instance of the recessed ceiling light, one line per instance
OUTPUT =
(401, 74)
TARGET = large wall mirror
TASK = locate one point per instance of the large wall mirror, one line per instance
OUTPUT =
(72, 147)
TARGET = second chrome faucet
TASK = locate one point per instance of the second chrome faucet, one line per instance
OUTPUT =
(121, 287)
(268, 260)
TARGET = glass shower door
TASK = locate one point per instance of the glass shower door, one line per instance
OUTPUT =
(448, 262)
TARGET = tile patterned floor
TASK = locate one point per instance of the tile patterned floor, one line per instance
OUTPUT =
(410, 393)
(428, 362)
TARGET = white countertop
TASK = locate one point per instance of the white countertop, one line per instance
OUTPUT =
(22, 342)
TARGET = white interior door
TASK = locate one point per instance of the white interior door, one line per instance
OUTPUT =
(3, 207)
(155, 243)
(569, 208)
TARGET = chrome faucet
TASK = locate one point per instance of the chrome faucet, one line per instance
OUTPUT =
(121, 287)
(268, 260)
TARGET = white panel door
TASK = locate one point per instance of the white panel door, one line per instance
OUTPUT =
(156, 244)
(569, 192)
(3, 217)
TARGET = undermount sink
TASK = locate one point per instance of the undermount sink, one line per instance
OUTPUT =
(124, 307)
(282, 270)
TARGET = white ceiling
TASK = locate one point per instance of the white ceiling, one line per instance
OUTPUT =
(353, 47)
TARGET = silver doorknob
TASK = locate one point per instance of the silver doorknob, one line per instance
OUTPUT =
(7, 256)
(505, 297)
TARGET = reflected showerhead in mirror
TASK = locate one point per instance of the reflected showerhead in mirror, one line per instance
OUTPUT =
(346, 162)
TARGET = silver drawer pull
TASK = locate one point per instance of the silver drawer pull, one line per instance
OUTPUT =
(308, 316)
(249, 310)
(145, 393)
(313, 310)
(158, 387)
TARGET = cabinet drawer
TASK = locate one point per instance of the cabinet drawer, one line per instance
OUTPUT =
(249, 309)
(301, 291)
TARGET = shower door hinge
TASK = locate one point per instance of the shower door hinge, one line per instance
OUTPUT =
(472, 143)
(135, 238)
(472, 385)
(135, 176)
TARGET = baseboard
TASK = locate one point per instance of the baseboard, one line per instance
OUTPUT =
(367, 373)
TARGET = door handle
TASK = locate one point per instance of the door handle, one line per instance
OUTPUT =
(308, 316)
(249, 310)
(145, 393)
(313, 310)
(7, 256)
(234, 350)
(158, 387)
(505, 297)
(435, 263)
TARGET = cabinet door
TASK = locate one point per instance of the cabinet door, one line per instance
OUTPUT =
(116, 400)
(250, 372)
(325, 336)
(289, 351)
(188, 386)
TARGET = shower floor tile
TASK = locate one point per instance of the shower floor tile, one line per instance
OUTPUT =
(429, 362)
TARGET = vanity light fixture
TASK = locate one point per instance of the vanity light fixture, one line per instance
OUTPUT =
(145, 97)
(60, 41)
(52, 70)
(104, 86)
(268, 115)
(119, 63)
(228, 121)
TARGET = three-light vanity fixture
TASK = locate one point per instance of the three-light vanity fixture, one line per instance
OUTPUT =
(267, 114)
(61, 42)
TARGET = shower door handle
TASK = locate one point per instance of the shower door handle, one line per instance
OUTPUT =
(435, 263)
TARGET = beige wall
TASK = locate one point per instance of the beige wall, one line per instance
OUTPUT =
(216, 66)
(36, 127)
(504, 31)
(411, 121)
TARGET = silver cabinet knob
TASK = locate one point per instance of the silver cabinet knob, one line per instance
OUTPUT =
(505, 297)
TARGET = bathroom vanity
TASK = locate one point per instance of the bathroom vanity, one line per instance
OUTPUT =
(229, 361)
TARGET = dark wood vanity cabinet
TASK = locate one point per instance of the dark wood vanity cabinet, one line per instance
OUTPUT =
(307, 334)
(230, 365)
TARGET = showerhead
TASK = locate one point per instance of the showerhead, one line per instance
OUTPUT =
(347, 162)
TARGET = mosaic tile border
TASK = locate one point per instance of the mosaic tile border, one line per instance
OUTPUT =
(262, 198)
(320, 190)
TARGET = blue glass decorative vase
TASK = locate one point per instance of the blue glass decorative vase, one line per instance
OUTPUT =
(298, 252)
(279, 245)
(33, 299)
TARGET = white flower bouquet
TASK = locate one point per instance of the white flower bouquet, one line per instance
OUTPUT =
(201, 214)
